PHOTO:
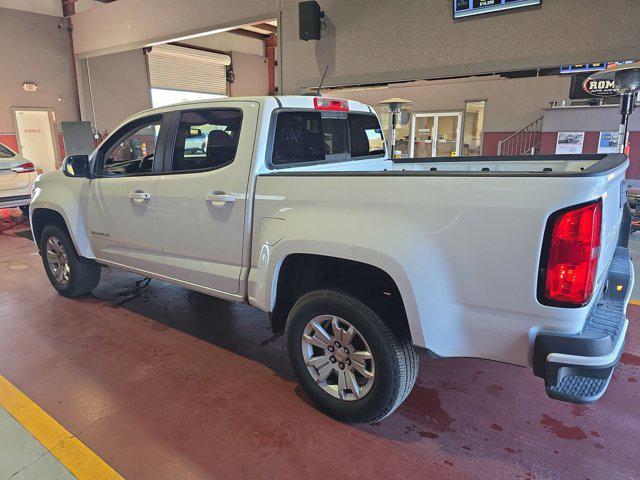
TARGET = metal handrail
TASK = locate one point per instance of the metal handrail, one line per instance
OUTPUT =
(525, 141)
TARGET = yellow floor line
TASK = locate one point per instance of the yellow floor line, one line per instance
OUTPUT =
(71, 452)
(634, 302)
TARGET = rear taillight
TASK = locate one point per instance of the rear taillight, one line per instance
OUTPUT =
(24, 168)
(570, 258)
(335, 104)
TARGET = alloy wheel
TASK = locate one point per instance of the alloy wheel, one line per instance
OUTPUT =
(338, 357)
(58, 260)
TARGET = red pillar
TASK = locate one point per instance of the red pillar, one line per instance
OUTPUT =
(270, 45)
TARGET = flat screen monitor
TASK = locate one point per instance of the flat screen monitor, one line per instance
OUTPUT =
(468, 8)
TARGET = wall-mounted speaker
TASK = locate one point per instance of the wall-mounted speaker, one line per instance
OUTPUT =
(309, 16)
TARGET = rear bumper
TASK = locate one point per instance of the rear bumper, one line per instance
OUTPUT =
(14, 201)
(578, 368)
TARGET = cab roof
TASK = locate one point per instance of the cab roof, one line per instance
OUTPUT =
(280, 101)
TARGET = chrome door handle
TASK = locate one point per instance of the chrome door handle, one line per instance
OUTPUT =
(218, 199)
(139, 196)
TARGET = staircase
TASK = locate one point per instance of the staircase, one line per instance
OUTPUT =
(526, 141)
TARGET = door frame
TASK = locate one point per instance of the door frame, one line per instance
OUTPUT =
(52, 125)
(434, 135)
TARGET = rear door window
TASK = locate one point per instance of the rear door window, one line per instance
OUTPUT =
(206, 139)
(304, 137)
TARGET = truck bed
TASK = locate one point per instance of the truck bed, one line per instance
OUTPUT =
(462, 237)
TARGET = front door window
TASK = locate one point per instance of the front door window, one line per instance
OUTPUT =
(134, 152)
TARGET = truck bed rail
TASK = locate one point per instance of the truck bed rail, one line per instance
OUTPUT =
(514, 165)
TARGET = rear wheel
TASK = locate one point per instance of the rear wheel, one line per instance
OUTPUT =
(69, 274)
(25, 209)
(349, 361)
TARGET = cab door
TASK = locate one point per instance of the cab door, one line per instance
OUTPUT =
(202, 196)
(121, 206)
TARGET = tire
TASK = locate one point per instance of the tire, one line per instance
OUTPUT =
(395, 362)
(83, 275)
(24, 209)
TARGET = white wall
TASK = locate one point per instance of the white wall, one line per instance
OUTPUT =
(119, 87)
(43, 7)
(119, 84)
(375, 41)
(380, 40)
(587, 119)
(34, 49)
(511, 103)
(128, 24)
(252, 76)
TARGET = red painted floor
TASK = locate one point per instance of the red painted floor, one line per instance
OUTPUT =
(164, 383)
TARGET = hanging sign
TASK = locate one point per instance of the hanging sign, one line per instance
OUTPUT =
(584, 88)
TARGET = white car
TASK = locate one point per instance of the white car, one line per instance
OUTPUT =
(295, 208)
(17, 175)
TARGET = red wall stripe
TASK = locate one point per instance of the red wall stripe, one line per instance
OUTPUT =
(548, 147)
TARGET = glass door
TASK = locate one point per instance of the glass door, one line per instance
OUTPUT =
(447, 135)
(435, 134)
(422, 131)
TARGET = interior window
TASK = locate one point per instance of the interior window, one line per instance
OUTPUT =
(5, 152)
(134, 152)
(206, 139)
(309, 136)
(366, 136)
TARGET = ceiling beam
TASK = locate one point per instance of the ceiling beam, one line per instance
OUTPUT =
(248, 33)
(266, 27)
(197, 47)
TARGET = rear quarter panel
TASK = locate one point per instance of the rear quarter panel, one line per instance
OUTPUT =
(463, 251)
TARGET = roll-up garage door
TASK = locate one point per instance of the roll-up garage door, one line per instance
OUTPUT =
(179, 68)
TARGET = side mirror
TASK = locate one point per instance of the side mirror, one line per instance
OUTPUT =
(76, 166)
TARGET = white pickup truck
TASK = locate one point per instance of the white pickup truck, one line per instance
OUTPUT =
(294, 207)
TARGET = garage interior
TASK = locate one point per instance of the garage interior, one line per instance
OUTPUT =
(143, 379)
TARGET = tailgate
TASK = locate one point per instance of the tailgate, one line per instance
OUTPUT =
(614, 199)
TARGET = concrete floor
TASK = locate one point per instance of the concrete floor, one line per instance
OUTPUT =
(166, 383)
(22, 457)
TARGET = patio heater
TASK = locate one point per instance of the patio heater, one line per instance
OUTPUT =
(395, 106)
(626, 81)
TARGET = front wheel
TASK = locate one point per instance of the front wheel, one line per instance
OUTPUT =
(69, 274)
(347, 358)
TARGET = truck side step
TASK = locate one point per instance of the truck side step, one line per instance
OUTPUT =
(579, 389)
